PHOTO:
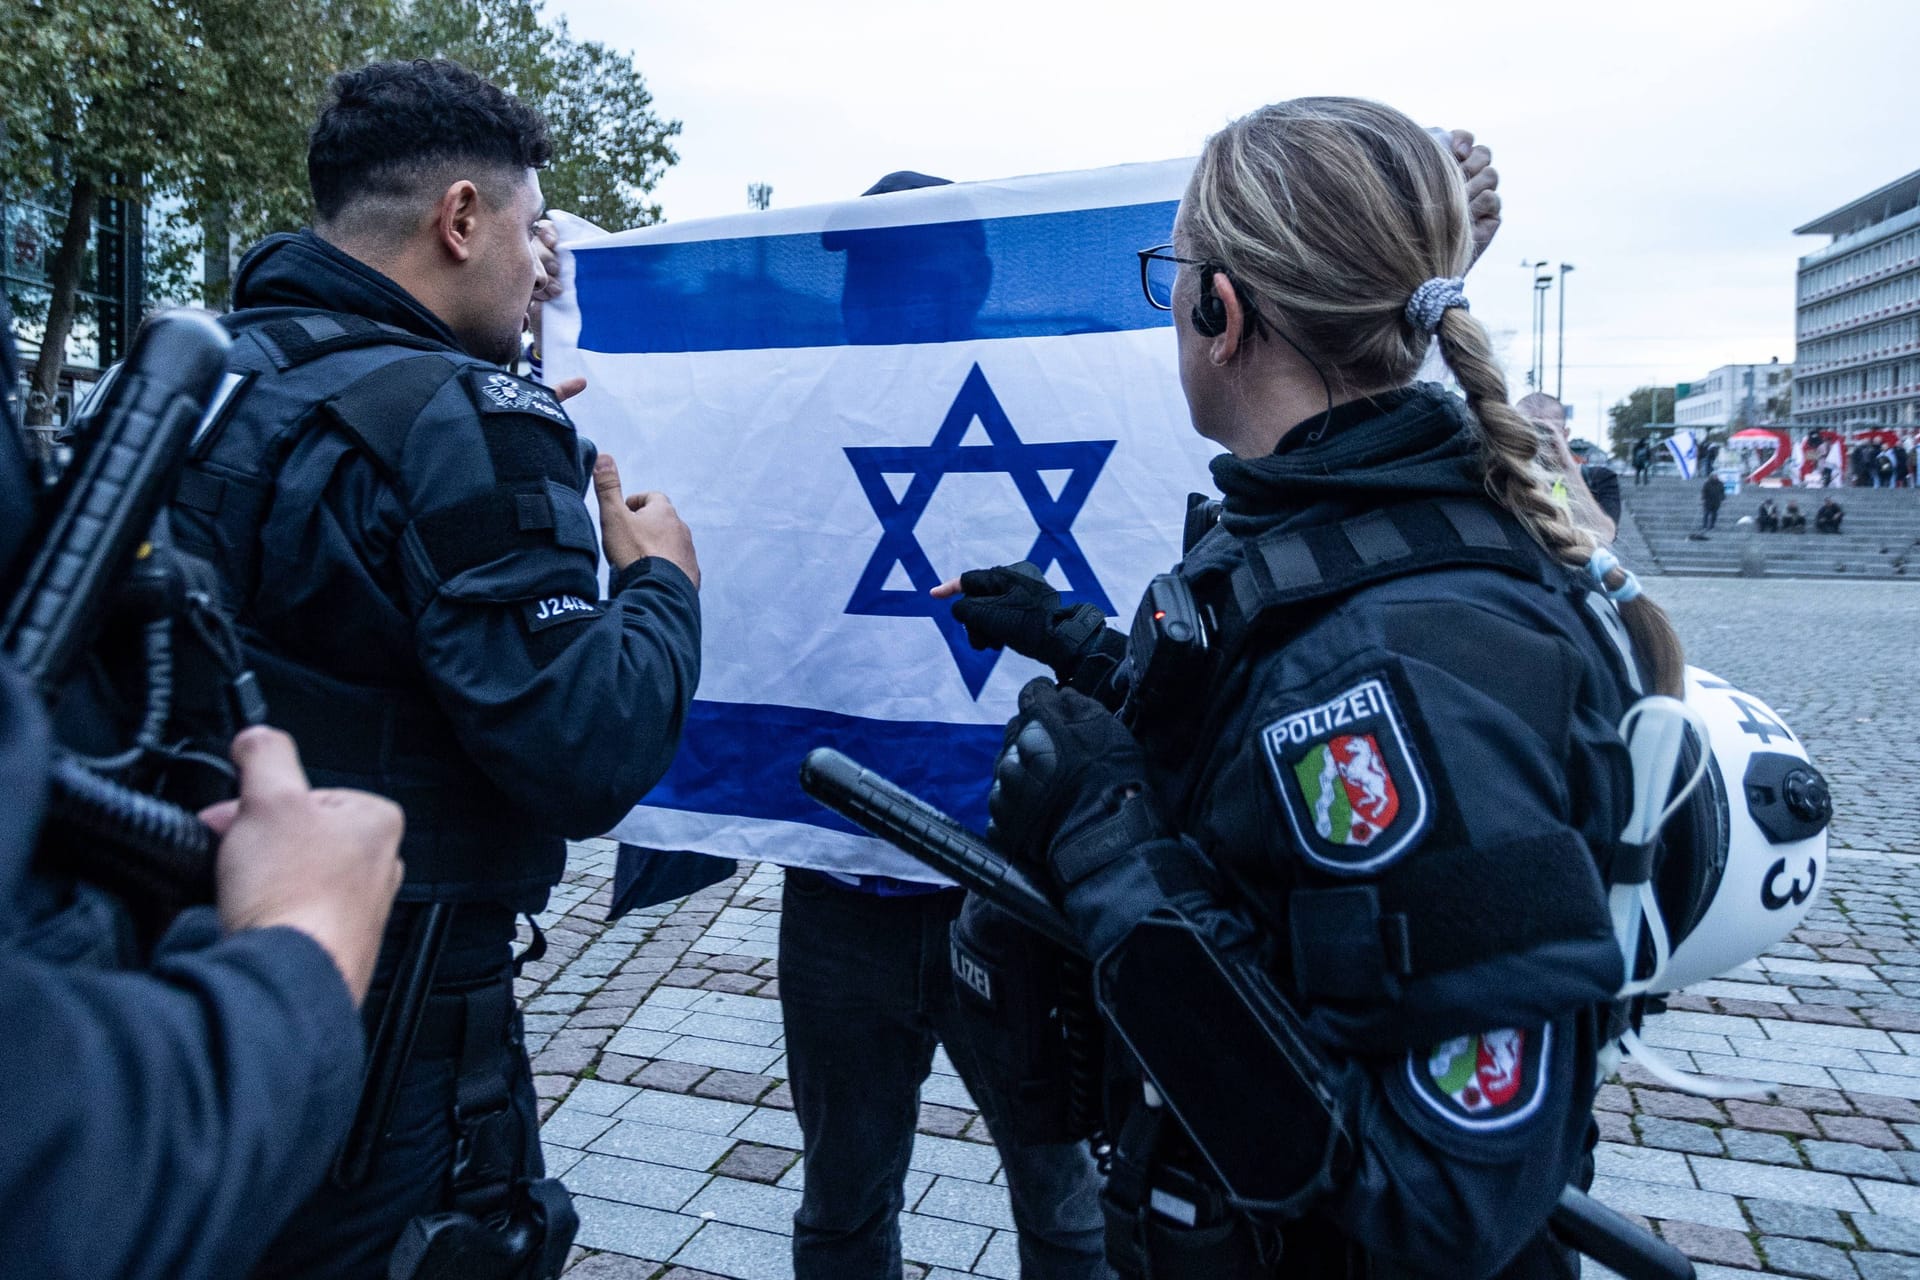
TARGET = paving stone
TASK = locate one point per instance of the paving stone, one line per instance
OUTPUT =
(1888, 1233)
(1613, 1097)
(1887, 1266)
(945, 1122)
(612, 1266)
(681, 1148)
(1843, 1157)
(1785, 1218)
(639, 1182)
(1678, 1135)
(618, 1068)
(737, 983)
(1760, 1115)
(679, 1111)
(1867, 1131)
(683, 978)
(731, 963)
(967, 1201)
(1882, 1108)
(941, 1242)
(746, 1204)
(1769, 1148)
(734, 1086)
(1739, 1178)
(552, 1086)
(752, 1162)
(630, 1229)
(672, 1077)
(1613, 1126)
(1676, 1106)
(1711, 1244)
(738, 1252)
(781, 1096)
(1805, 1258)
(1829, 1100)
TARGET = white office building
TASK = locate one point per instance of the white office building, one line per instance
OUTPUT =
(1734, 395)
(1857, 321)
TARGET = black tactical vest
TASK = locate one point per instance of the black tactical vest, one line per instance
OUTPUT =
(294, 372)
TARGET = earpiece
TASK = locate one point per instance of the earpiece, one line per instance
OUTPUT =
(1209, 314)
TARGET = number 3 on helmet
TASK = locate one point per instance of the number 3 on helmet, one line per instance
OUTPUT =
(1744, 859)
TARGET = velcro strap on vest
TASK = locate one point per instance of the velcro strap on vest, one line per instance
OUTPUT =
(1442, 909)
(294, 337)
(1281, 570)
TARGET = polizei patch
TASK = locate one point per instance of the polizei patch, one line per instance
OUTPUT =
(1482, 1083)
(512, 395)
(1348, 780)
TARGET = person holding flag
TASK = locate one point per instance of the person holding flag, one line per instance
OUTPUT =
(1389, 781)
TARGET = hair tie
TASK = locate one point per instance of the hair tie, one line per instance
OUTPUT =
(1430, 302)
(1604, 562)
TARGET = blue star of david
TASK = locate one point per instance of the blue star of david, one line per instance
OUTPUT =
(1054, 544)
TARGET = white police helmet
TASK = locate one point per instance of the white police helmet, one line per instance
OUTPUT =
(1745, 856)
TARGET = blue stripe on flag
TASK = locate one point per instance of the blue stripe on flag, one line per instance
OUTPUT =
(743, 759)
(1036, 275)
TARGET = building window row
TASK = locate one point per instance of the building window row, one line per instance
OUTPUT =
(1842, 272)
(1880, 297)
(1858, 344)
(1878, 380)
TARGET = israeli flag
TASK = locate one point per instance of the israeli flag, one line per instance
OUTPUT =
(1685, 448)
(850, 403)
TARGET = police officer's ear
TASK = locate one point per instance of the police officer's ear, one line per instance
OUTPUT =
(1227, 326)
(456, 219)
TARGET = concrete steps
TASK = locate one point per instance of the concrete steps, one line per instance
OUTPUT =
(1881, 538)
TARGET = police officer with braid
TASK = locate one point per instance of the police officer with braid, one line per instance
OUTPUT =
(1340, 855)
(400, 526)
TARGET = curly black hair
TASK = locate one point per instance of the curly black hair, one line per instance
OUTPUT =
(389, 124)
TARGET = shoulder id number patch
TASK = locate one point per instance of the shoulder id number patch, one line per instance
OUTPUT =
(508, 394)
(1348, 780)
(1484, 1083)
(551, 611)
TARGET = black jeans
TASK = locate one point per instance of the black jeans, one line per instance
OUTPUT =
(866, 990)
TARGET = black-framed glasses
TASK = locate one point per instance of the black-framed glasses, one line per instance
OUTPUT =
(1158, 267)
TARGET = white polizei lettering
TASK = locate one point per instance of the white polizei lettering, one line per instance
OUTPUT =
(1316, 722)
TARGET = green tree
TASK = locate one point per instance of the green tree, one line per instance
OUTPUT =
(1629, 418)
(106, 98)
(610, 147)
(203, 106)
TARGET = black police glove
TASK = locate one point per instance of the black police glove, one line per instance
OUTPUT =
(1070, 788)
(1012, 606)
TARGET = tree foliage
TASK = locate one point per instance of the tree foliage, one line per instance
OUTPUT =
(1629, 418)
(202, 107)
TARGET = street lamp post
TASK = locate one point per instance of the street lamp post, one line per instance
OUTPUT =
(1534, 325)
(1560, 361)
(1542, 281)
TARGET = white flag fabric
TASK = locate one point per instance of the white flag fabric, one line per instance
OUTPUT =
(1685, 448)
(849, 403)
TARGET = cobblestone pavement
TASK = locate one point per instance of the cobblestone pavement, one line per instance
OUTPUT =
(658, 1052)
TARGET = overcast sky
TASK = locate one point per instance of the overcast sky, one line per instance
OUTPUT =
(1666, 149)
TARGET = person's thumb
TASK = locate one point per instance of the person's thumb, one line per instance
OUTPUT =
(606, 486)
(269, 765)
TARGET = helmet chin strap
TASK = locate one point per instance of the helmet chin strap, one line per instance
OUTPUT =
(1654, 729)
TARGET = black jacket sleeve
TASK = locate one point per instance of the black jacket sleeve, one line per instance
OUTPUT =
(572, 705)
(164, 1124)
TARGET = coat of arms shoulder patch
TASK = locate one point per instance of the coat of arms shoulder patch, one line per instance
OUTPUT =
(1349, 782)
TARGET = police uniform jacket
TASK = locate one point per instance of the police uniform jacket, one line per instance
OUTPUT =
(403, 532)
(158, 1124)
(1415, 785)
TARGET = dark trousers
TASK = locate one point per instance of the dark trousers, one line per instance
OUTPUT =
(1709, 517)
(866, 991)
(349, 1235)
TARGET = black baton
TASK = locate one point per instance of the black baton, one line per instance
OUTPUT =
(392, 1044)
(915, 827)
